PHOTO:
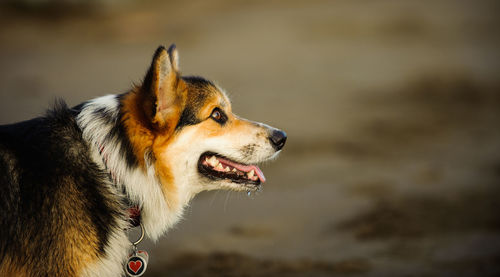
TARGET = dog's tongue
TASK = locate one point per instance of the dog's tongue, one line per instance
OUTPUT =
(245, 168)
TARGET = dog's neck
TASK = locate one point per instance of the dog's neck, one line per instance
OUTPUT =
(100, 122)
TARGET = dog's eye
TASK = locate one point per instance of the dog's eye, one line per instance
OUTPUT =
(218, 116)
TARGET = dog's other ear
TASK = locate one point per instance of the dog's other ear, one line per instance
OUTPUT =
(164, 91)
(174, 57)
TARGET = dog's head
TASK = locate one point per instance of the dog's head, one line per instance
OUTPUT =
(185, 127)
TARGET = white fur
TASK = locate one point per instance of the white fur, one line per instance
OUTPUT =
(116, 252)
(143, 186)
(187, 148)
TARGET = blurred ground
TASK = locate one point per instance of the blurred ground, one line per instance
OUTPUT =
(392, 167)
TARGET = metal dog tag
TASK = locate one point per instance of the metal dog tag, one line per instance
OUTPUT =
(137, 263)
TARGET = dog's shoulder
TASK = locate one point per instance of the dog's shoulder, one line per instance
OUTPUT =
(50, 187)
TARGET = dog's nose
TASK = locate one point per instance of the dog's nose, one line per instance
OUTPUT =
(278, 139)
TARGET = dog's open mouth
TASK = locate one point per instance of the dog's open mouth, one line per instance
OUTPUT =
(215, 166)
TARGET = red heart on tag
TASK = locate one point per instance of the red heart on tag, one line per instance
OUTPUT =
(135, 266)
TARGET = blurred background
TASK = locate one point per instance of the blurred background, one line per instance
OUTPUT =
(392, 166)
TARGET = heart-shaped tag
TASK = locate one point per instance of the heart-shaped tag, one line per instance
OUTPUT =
(135, 266)
(137, 263)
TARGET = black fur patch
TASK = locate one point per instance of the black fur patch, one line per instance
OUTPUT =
(198, 81)
(50, 186)
(188, 117)
(118, 133)
(200, 90)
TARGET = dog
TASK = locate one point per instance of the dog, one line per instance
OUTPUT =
(69, 179)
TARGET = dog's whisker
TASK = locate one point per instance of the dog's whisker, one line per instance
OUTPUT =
(213, 198)
(227, 198)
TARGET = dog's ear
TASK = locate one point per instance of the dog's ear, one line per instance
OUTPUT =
(163, 90)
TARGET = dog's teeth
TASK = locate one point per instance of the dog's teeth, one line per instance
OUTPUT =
(250, 174)
(213, 161)
(234, 170)
(219, 167)
(227, 169)
(255, 178)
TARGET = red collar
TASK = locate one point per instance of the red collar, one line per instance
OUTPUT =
(134, 214)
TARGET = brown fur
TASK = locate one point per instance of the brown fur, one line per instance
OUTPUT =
(154, 117)
(80, 247)
(10, 268)
(166, 96)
